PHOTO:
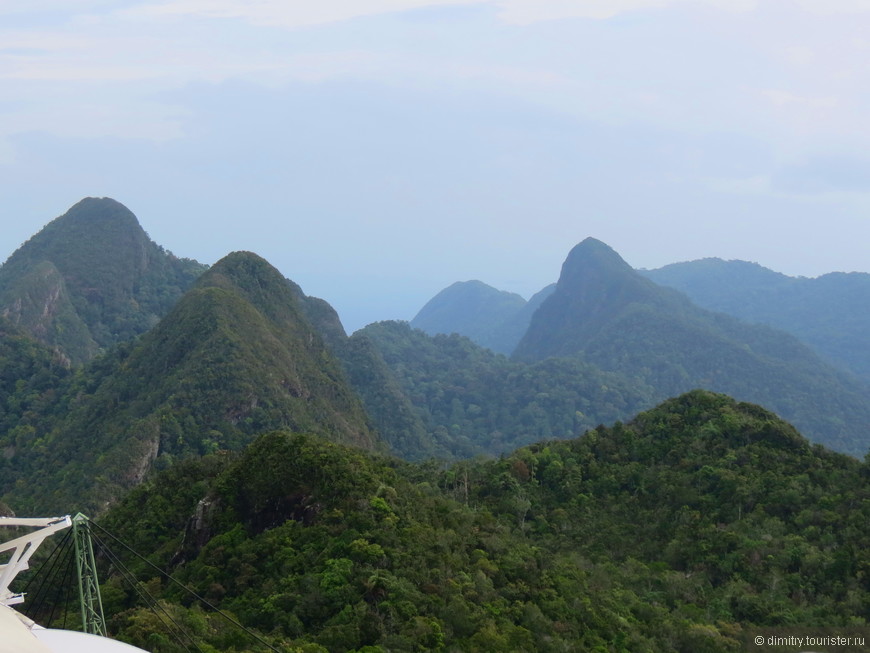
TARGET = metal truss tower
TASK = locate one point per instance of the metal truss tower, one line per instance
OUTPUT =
(91, 602)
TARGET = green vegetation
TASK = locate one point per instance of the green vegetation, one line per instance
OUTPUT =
(472, 401)
(390, 410)
(234, 358)
(681, 531)
(30, 378)
(212, 427)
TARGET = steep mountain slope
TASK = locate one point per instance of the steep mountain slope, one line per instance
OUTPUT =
(91, 278)
(235, 357)
(31, 377)
(524, 317)
(622, 322)
(390, 410)
(830, 313)
(689, 529)
(492, 318)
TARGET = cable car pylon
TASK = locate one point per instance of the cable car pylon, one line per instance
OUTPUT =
(93, 620)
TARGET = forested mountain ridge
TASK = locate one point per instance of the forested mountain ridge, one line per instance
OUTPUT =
(686, 530)
(278, 366)
(229, 444)
(469, 400)
(831, 313)
(624, 323)
(246, 350)
(90, 279)
(235, 357)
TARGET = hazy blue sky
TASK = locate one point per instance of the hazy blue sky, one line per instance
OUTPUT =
(375, 151)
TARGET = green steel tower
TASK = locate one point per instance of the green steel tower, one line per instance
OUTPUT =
(93, 620)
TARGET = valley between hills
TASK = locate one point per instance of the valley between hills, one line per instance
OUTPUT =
(631, 460)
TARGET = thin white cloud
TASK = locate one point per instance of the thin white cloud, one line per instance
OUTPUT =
(280, 13)
(676, 69)
(835, 6)
(40, 6)
(784, 99)
(756, 185)
(525, 12)
(42, 41)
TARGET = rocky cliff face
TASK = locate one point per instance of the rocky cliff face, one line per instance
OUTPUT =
(39, 302)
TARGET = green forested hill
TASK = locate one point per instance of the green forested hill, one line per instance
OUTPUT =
(229, 444)
(90, 279)
(685, 530)
(471, 401)
(235, 357)
(626, 324)
(831, 313)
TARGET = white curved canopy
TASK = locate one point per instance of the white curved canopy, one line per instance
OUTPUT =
(68, 641)
(21, 635)
(17, 635)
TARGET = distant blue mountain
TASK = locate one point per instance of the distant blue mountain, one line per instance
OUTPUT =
(611, 316)
(492, 318)
(830, 313)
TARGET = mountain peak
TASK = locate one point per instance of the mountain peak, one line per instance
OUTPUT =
(596, 285)
(591, 256)
(91, 278)
(592, 244)
(98, 225)
(92, 205)
(261, 284)
(243, 267)
(92, 213)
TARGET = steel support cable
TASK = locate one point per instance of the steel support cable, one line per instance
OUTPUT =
(65, 583)
(39, 597)
(66, 586)
(150, 602)
(189, 591)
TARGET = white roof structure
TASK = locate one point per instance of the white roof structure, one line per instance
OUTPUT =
(21, 548)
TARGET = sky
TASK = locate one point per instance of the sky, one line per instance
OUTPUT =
(376, 151)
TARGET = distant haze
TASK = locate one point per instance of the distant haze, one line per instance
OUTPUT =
(375, 152)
